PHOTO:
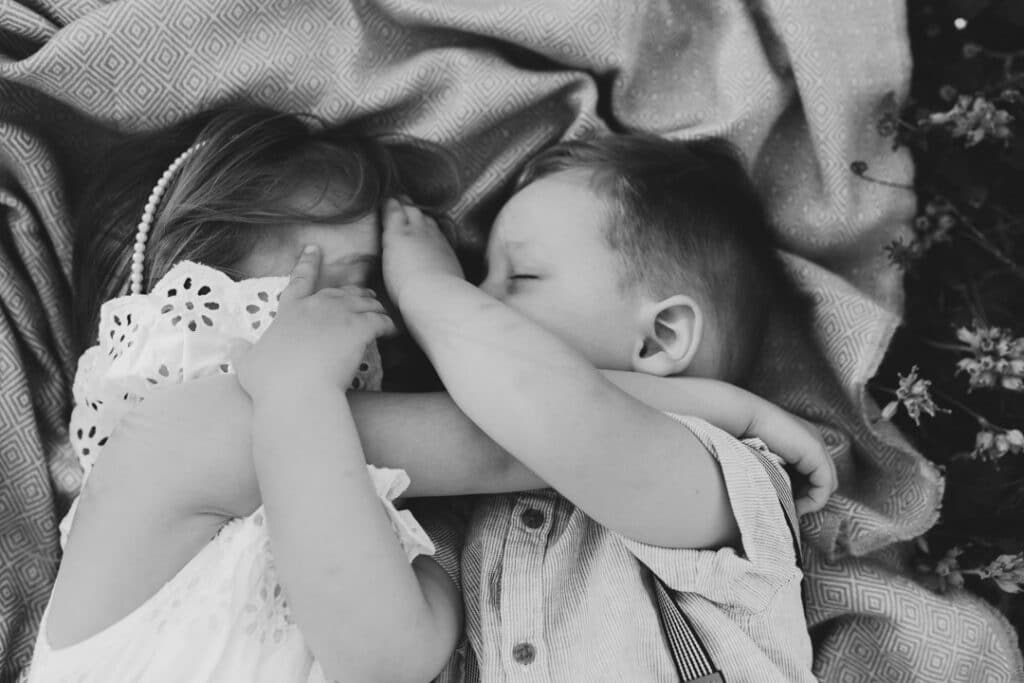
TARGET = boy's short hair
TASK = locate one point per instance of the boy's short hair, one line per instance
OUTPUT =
(686, 219)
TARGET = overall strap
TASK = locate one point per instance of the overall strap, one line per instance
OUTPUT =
(693, 663)
(691, 658)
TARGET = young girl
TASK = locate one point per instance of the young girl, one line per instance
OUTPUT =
(143, 592)
(146, 593)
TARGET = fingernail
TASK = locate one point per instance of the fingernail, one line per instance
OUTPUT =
(309, 249)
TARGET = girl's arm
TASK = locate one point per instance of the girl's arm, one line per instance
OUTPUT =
(348, 582)
(349, 585)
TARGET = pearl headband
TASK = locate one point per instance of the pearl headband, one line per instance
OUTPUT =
(146, 223)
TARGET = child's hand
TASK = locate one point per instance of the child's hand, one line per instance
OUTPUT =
(799, 443)
(414, 249)
(315, 337)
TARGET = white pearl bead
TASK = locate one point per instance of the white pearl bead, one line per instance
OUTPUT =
(148, 214)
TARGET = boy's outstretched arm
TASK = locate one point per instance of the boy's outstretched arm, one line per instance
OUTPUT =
(203, 427)
(744, 414)
(630, 467)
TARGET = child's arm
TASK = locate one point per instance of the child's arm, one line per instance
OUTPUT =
(446, 454)
(347, 580)
(743, 414)
(631, 468)
(203, 427)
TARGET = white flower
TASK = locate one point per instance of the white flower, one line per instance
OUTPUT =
(914, 395)
(974, 119)
(997, 358)
(1007, 571)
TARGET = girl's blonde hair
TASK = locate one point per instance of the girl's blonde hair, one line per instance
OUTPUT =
(233, 190)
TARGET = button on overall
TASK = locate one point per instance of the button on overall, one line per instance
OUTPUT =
(524, 653)
(532, 518)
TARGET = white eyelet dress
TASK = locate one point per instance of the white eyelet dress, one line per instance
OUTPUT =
(223, 617)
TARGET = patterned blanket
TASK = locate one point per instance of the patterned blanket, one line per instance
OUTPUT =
(796, 84)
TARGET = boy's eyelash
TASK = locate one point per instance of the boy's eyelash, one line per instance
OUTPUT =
(519, 276)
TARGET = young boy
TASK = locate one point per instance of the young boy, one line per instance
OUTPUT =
(622, 253)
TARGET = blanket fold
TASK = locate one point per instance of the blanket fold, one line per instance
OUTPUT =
(797, 85)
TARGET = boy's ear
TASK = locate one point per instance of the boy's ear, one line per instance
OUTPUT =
(671, 332)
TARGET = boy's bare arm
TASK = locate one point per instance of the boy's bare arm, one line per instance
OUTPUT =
(203, 428)
(743, 414)
(628, 466)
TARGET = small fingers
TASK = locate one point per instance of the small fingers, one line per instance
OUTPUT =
(394, 215)
(812, 500)
(416, 217)
(352, 295)
(804, 505)
(365, 305)
(824, 477)
(413, 213)
(348, 290)
(382, 324)
(303, 275)
(403, 213)
(821, 484)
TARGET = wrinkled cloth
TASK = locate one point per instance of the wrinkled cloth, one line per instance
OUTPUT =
(797, 84)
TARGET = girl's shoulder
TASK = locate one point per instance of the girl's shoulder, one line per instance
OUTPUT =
(190, 301)
(181, 330)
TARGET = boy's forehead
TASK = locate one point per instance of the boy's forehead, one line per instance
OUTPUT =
(557, 204)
